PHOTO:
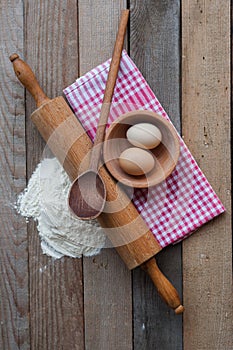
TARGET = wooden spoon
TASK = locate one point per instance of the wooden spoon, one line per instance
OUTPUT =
(87, 194)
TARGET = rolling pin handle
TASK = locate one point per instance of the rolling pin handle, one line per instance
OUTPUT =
(13, 57)
(165, 289)
(28, 79)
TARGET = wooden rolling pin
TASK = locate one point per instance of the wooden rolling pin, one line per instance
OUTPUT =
(121, 221)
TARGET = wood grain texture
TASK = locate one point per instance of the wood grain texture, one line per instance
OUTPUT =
(107, 282)
(14, 329)
(154, 47)
(206, 127)
(56, 289)
(98, 24)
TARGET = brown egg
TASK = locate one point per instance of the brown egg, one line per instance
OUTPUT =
(136, 161)
(144, 135)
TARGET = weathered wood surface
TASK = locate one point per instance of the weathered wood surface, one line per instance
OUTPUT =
(14, 308)
(107, 282)
(207, 259)
(94, 303)
(56, 288)
(155, 50)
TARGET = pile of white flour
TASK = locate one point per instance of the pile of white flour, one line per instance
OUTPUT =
(45, 200)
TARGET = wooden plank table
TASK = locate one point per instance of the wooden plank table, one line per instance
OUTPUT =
(183, 49)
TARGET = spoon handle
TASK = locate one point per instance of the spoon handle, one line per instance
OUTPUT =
(28, 79)
(109, 89)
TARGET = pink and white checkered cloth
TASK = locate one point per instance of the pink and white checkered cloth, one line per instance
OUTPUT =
(182, 203)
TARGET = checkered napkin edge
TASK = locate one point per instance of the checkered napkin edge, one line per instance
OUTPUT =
(185, 201)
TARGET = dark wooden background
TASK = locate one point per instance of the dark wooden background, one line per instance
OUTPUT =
(183, 49)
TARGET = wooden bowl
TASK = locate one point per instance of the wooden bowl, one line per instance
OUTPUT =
(166, 154)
